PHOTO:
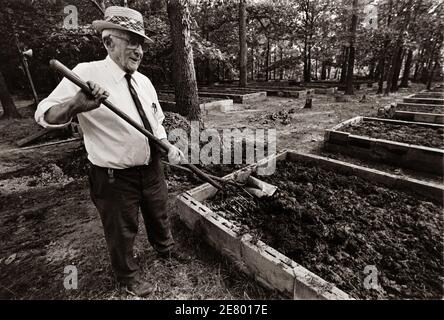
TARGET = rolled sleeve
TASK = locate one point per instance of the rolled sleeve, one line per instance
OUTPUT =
(64, 91)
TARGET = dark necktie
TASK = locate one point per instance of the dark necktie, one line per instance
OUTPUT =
(138, 104)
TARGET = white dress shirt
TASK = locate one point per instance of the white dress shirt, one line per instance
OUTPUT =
(109, 140)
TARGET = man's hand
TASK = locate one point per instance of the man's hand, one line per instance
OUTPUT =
(81, 102)
(175, 156)
(84, 102)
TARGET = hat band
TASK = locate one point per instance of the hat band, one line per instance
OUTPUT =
(126, 23)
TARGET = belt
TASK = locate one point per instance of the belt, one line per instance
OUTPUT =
(111, 171)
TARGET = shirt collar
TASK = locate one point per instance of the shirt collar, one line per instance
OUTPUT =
(116, 72)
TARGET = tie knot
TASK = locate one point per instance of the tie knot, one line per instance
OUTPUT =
(128, 77)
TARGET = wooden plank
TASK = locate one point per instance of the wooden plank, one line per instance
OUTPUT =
(51, 143)
(279, 272)
(330, 90)
(401, 122)
(33, 137)
(429, 94)
(421, 100)
(419, 117)
(347, 122)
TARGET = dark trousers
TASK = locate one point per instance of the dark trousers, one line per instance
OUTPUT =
(118, 195)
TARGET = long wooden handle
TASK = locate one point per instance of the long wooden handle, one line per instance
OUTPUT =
(67, 73)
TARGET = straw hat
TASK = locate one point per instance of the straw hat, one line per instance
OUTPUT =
(123, 19)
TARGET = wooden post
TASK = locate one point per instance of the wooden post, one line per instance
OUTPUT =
(26, 67)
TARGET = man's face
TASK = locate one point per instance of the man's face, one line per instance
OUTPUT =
(126, 51)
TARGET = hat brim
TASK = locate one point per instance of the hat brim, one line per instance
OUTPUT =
(101, 25)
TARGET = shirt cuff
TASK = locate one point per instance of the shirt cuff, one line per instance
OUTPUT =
(40, 118)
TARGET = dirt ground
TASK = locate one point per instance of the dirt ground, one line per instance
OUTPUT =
(47, 221)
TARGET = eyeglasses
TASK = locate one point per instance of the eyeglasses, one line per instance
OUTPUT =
(133, 43)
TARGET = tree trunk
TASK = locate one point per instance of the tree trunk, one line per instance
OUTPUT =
(427, 70)
(419, 62)
(397, 70)
(391, 67)
(351, 57)
(309, 62)
(267, 60)
(305, 60)
(377, 73)
(382, 74)
(9, 108)
(382, 59)
(323, 70)
(281, 69)
(429, 82)
(316, 69)
(184, 75)
(274, 64)
(252, 64)
(407, 66)
(371, 70)
(344, 65)
(242, 43)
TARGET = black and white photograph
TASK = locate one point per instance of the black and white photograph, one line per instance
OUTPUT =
(233, 151)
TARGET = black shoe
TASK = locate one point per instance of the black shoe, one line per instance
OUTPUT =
(174, 254)
(139, 288)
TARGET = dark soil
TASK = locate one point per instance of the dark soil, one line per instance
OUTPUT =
(176, 121)
(336, 225)
(412, 133)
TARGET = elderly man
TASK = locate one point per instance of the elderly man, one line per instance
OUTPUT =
(125, 172)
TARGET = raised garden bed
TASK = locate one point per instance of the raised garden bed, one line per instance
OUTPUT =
(271, 91)
(328, 222)
(418, 116)
(237, 97)
(321, 88)
(205, 103)
(414, 98)
(415, 107)
(430, 94)
(414, 145)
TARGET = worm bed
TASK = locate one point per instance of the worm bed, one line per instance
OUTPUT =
(430, 94)
(206, 104)
(414, 145)
(418, 116)
(237, 97)
(321, 88)
(418, 107)
(271, 91)
(323, 217)
(419, 99)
